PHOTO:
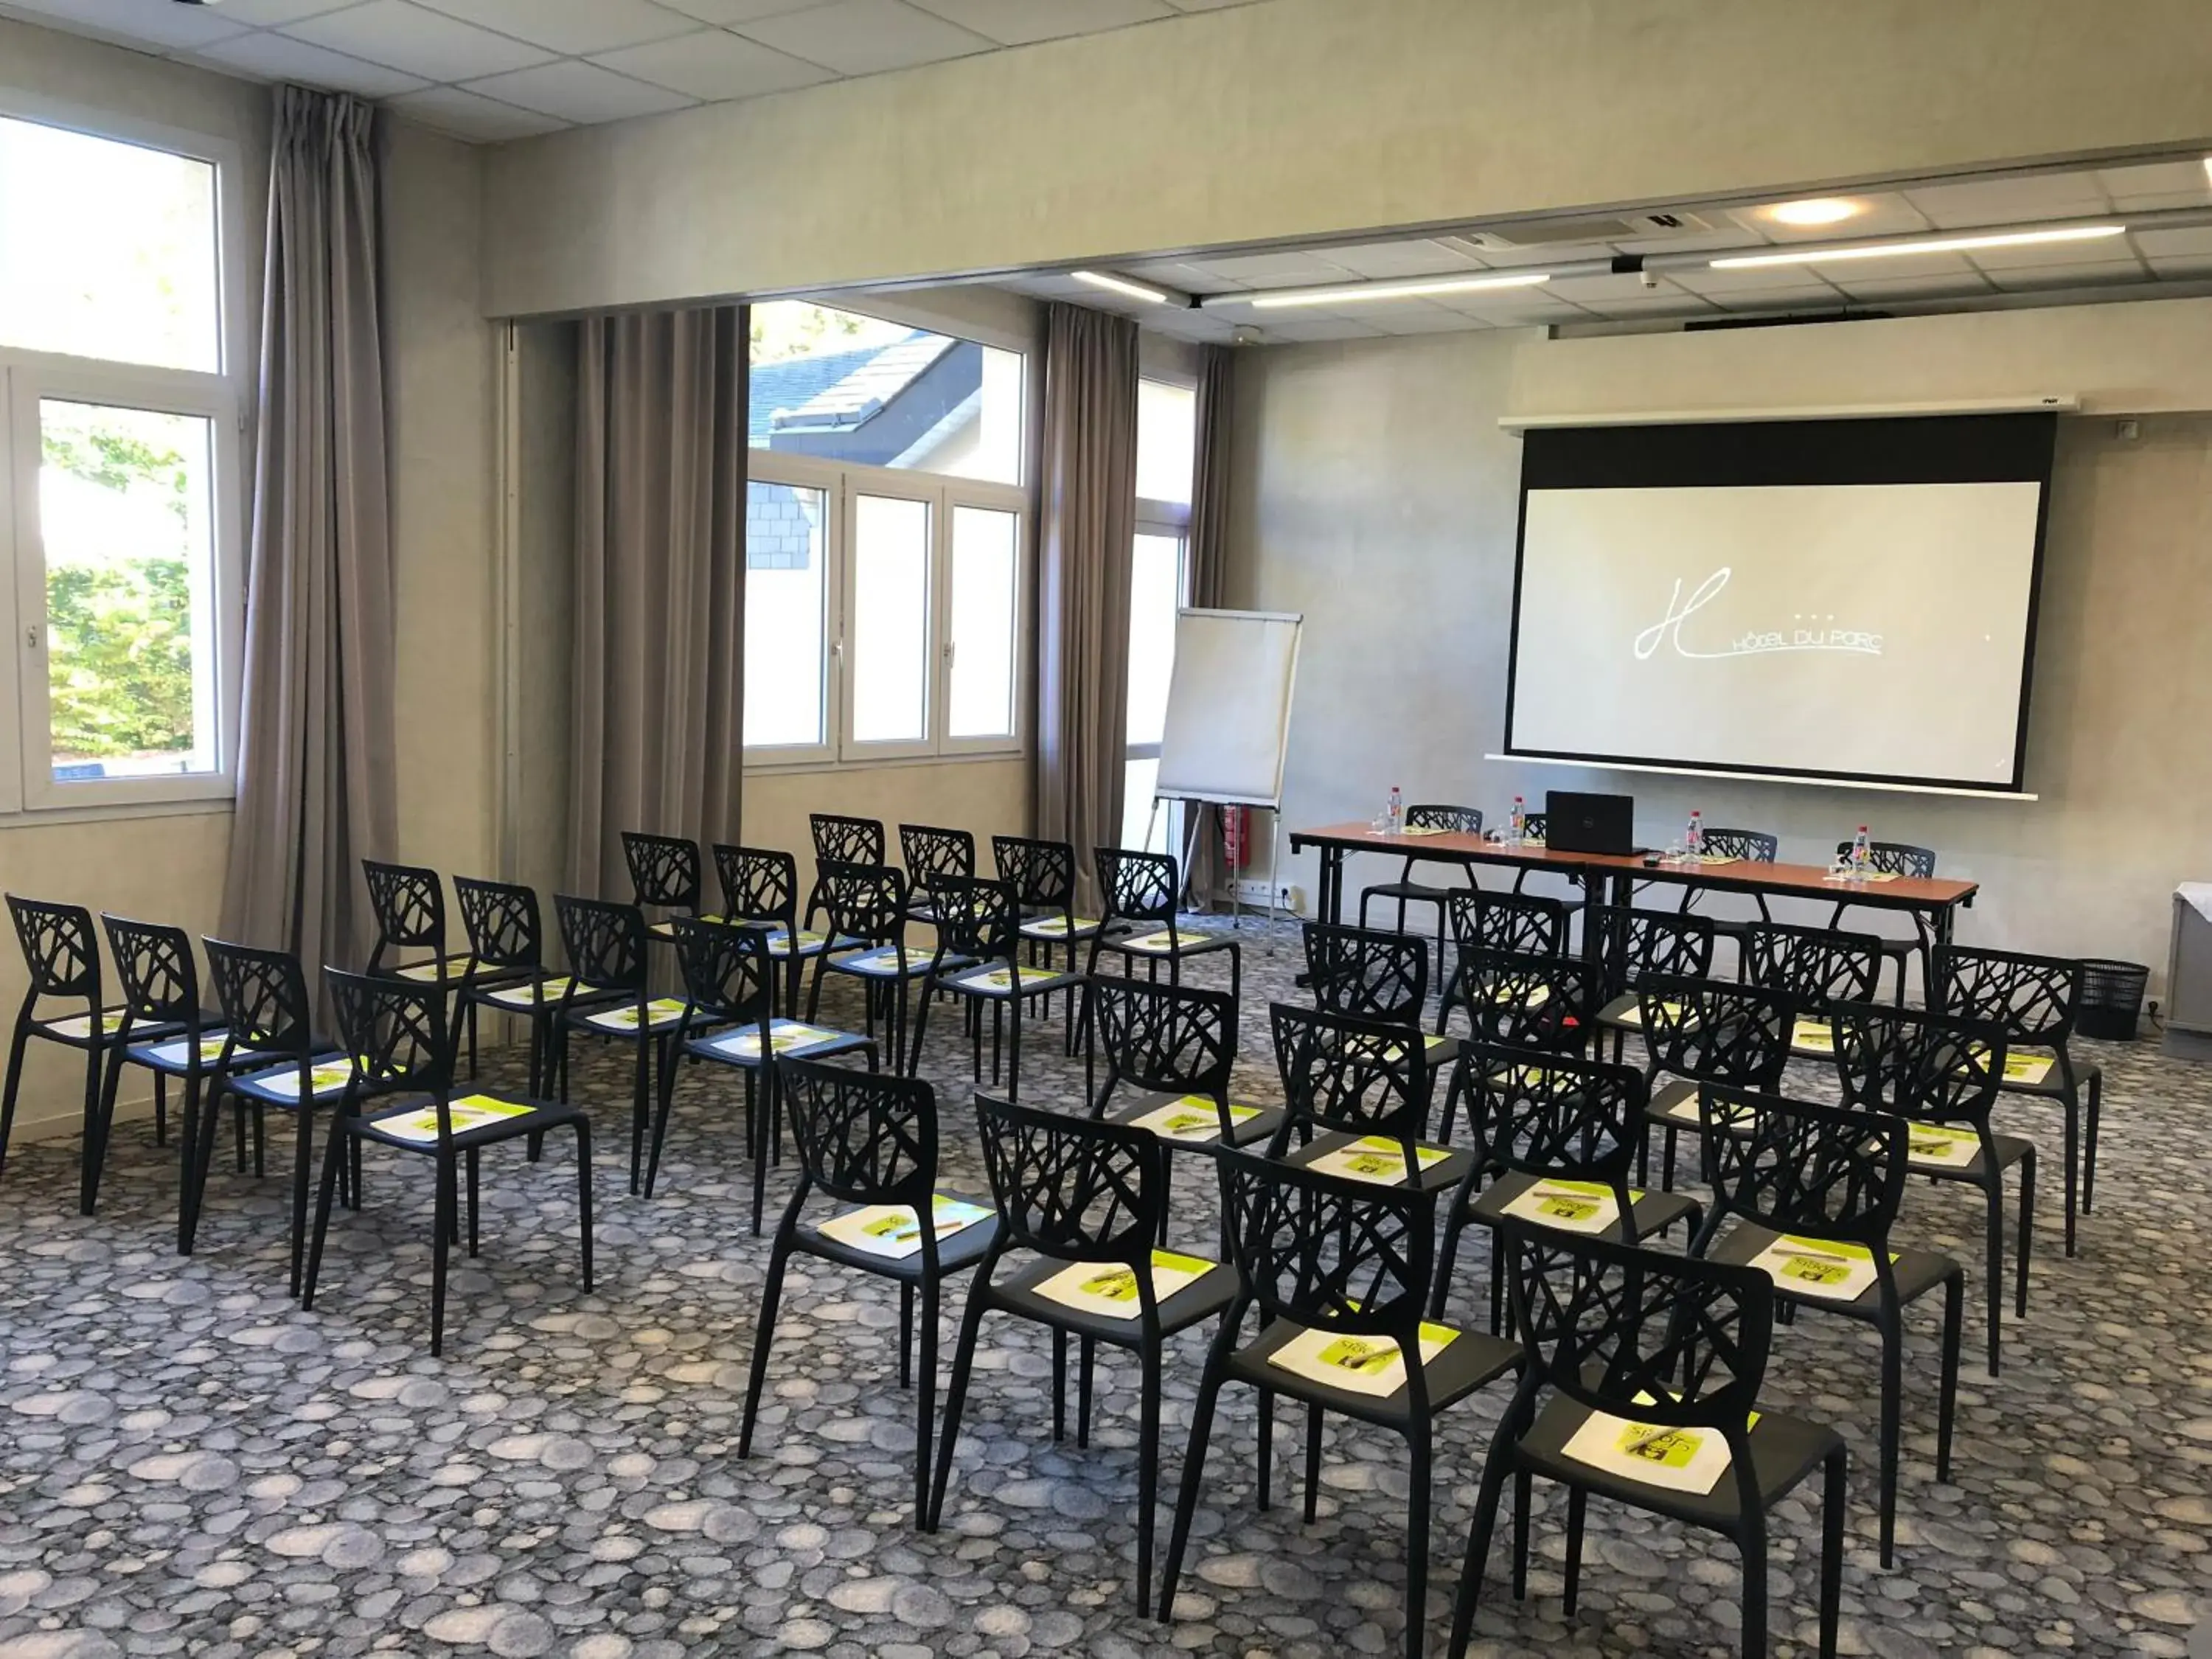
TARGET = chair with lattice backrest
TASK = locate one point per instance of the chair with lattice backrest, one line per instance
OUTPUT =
(730, 1019)
(1373, 974)
(760, 885)
(61, 957)
(271, 1058)
(2034, 1000)
(1941, 1073)
(1421, 821)
(1042, 875)
(1555, 1138)
(931, 853)
(409, 901)
(1635, 945)
(1081, 1205)
(867, 1141)
(1526, 923)
(1140, 893)
(1355, 1095)
(1723, 846)
(608, 998)
(665, 876)
(839, 839)
(1643, 1389)
(1337, 1271)
(165, 1030)
(403, 1053)
(977, 963)
(1809, 1194)
(1816, 968)
(1706, 1030)
(868, 908)
(1903, 860)
(507, 943)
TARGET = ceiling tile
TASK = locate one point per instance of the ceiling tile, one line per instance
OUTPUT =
(146, 23)
(578, 27)
(1425, 256)
(270, 57)
(2161, 184)
(1883, 214)
(2010, 201)
(865, 37)
(1704, 279)
(730, 12)
(415, 38)
(1185, 274)
(2184, 265)
(1425, 319)
(1207, 5)
(268, 14)
(2105, 250)
(1619, 285)
(468, 115)
(2082, 273)
(1317, 328)
(580, 92)
(713, 64)
(2166, 244)
(1660, 304)
(1957, 284)
(1019, 22)
(1294, 268)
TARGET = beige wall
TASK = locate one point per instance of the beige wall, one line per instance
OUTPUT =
(1311, 117)
(1375, 493)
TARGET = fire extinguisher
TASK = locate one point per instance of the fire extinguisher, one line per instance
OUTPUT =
(1236, 835)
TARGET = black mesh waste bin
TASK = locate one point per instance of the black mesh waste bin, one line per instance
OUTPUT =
(2111, 997)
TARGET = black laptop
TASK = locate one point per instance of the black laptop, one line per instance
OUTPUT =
(1576, 823)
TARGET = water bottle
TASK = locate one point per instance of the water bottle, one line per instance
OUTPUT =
(1394, 813)
(1693, 839)
(1518, 829)
(1862, 855)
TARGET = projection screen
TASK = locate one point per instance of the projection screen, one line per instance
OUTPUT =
(1851, 600)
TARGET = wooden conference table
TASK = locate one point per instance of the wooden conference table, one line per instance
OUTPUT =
(1611, 878)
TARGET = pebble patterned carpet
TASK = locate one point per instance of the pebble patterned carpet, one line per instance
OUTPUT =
(190, 1464)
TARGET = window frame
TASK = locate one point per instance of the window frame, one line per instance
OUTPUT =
(843, 482)
(29, 794)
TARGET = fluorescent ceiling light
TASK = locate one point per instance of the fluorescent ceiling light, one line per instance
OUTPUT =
(1809, 256)
(1285, 298)
(1120, 285)
(1821, 210)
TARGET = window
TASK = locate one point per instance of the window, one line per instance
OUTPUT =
(1159, 586)
(121, 495)
(885, 537)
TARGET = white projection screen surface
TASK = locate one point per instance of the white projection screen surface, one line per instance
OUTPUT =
(1851, 600)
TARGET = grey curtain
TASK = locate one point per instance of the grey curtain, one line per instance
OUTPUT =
(658, 734)
(1206, 554)
(1089, 497)
(315, 767)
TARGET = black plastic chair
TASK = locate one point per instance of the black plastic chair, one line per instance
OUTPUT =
(1042, 875)
(839, 839)
(165, 1030)
(1941, 1074)
(978, 962)
(1706, 1030)
(1525, 924)
(1829, 1180)
(1375, 975)
(271, 1058)
(2034, 1000)
(930, 854)
(1897, 858)
(1741, 846)
(1074, 1192)
(729, 984)
(869, 903)
(1141, 891)
(1356, 1099)
(607, 997)
(1635, 945)
(1319, 1255)
(61, 954)
(870, 1140)
(1455, 820)
(760, 885)
(1671, 1348)
(1816, 968)
(1557, 1133)
(506, 941)
(665, 875)
(1544, 1004)
(409, 901)
(397, 1034)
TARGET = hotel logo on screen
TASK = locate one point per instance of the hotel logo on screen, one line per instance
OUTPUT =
(1752, 642)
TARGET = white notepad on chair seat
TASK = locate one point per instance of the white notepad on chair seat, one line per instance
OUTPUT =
(1105, 1287)
(1161, 943)
(785, 1036)
(1377, 1159)
(1574, 1207)
(1679, 1459)
(1192, 1118)
(1372, 1366)
(892, 1231)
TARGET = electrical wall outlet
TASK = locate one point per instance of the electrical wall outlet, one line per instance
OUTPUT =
(1289, 897)
(1256, 890)
(1260, 893)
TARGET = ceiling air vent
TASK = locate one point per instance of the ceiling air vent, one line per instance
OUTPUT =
(1601, 227)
